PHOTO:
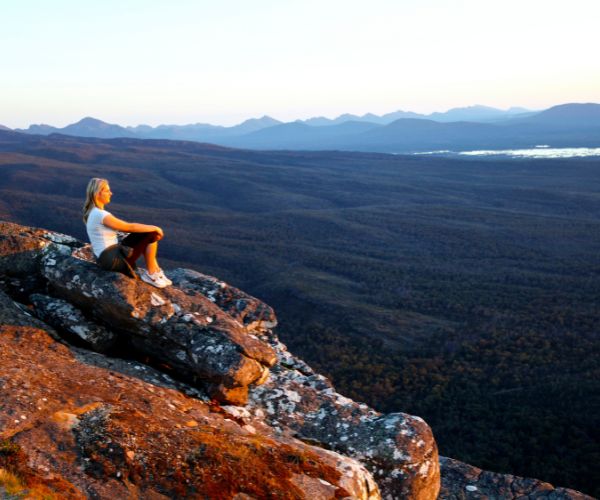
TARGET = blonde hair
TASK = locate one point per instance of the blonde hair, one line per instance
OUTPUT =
(92, 190)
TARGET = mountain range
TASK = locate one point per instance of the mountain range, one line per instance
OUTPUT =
(475, 127)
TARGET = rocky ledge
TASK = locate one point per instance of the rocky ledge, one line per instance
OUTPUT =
(114, 389)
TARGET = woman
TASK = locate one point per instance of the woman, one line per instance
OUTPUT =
(111, 255)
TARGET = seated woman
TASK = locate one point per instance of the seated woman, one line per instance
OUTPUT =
(111, 255)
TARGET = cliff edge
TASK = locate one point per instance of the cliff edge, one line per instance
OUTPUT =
(114, 389)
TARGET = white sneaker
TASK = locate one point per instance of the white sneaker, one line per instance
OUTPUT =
(154, 279)
(164, 277)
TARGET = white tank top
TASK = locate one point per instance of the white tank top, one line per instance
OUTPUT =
(101, 237)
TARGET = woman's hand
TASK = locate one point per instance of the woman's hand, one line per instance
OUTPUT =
(159, 231)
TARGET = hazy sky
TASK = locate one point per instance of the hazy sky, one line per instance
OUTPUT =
(180, 61)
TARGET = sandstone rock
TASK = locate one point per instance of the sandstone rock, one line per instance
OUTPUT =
(86, 431)
(462, 481)
(251, 312)
(185, 330)
(398, 449)
(20, 249)
(65, 317)
(191, 334)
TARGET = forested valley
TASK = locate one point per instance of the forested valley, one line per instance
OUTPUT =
(462, 291)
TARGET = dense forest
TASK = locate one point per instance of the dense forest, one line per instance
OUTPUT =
(464, 291)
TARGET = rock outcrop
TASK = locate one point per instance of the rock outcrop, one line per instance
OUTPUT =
(88, 427)
(115, 389)
(398, 449)
(187, 331)
(462, 481)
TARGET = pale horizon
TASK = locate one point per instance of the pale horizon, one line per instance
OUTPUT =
(189, 62)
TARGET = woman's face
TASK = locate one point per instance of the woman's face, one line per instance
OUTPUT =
(104, 194)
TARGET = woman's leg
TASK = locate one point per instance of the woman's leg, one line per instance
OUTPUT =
(143, 243)
(150, 257)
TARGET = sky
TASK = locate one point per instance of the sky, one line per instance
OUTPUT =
(204, 61)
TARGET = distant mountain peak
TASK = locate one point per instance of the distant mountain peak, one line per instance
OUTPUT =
(39, 129)
(255, 124)
(347, 116)
(93, 127)
(265, 119)
(90, 121)
(269, 118)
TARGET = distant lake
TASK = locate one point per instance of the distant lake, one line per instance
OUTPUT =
(541, 151)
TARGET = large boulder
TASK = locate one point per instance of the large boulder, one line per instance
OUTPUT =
(185, 331)
(255, 315)
(189, 333)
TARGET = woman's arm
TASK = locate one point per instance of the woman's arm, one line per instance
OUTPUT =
(129, 227)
